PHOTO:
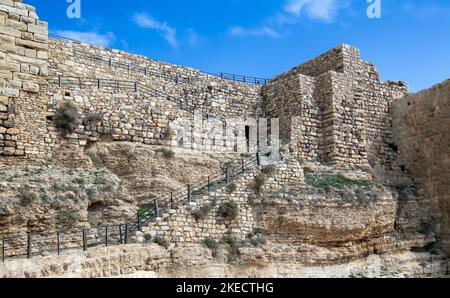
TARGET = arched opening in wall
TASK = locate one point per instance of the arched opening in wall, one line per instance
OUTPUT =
(247, 137)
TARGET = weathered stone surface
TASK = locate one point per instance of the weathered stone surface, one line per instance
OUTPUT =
(421, 125)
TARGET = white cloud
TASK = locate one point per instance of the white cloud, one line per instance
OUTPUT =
(193, 38)
(262, 31)
(145, 21)
(323, 10)
(103, 40)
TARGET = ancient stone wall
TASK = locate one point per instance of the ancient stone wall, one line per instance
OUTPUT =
(421, 126)
(213, 95)
(23, 78)
(338, 109)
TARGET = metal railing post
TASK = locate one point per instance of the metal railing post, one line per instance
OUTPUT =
(189, 194)
(138, 221)
(127, 233)
(120, 234)
(227, 175)
(59, 81)
(209, 183)
(145, 71)
(258, 159)
(58, 243)
(110, 62)
(156, 208)
(28, 245)
(84, 240)
(98, 83)
(135, 87)
(3, 249)
(243, 165)
(106, 236)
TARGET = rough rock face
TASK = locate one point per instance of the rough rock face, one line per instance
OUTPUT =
(145, 170)
(36, 199)
(197, 261)
(327, 219)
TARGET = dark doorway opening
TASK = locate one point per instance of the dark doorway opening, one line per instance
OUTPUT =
(247, 137)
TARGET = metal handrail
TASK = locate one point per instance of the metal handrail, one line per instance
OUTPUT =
(177, 77)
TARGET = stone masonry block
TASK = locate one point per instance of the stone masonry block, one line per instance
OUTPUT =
(31, 44)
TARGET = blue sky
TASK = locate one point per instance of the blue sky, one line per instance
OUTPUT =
(263, 38)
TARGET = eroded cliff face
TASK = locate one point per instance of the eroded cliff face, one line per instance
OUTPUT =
(193, 260)
(312, 217)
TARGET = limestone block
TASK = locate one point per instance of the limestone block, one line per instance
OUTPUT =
(10, 32)
(30, 87)
(38, 29)
(7, 2)
(16, 25)
(13, 10)
(27, 20)
(41, 38)
(9, 150)
(12, 131)
(9, 92)
(8, 65)
(4, 100)
(30, 44)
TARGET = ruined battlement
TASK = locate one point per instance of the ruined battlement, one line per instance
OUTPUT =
(333, 108)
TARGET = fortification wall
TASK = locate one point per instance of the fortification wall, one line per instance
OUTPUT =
(213, 95)
(332, 108)
(421, 128)
(23, 79)
(338, 109)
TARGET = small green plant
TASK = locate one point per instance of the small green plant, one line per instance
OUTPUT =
(26, 195)
(67, 118)
(80, 181)
(338, 181)
(170, 133)
(204, 210)
(147, 238)
(234, 243)
(93, 220)
(142, 212)
(231, 187)
(68, 218)
(94, 118)
(256, 232)
(213, 245)
(169, 154)
(259, 182)
(229, 210)
(269, 170)
(161, 241)
(256, 237)
(210, 88)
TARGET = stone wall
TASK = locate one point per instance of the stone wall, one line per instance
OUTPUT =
(213, 95)
(179, 225)
(422, 133)
(335, 108)
(23, 78)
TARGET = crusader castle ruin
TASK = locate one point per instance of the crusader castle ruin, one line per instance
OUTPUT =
(336, 118)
